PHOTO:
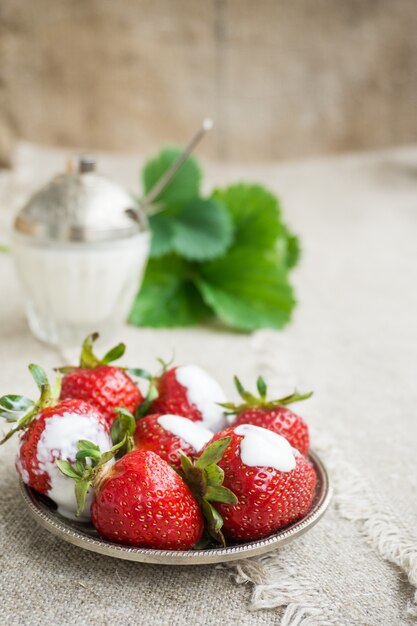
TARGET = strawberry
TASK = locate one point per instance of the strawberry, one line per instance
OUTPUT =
(139, 501)
(50, 431)
(271, 414)
(190, 392)
(142, 501)
(169, 436)
(274, 484)
(104, 386)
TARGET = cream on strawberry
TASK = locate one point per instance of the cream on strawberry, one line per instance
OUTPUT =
(193, 434)
(59, 441)
(274, 484)
(264, 448)
(205, 393)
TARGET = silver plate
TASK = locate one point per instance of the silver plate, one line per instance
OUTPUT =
(85, 536)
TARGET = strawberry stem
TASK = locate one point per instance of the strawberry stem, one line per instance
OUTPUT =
(87, 469)
(23, 410)
(123, 429)
(89, 360)
(205, 479)
(251, 401)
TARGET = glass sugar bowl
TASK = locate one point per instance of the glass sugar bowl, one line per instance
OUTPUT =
(81, 250)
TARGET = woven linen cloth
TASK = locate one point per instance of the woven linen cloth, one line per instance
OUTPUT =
(352, 340)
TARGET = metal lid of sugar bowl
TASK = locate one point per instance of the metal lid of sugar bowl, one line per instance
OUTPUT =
(80, 206)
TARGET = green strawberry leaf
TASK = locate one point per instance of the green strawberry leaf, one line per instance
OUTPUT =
(186, 463)
(67, 469)
(151, 395)
(81, 490)
(215, 475)
(220, 494)
(214, 522)
(123, 427)
(288, 249)
(168, 296)
(202, 230)
(85, 444)
(255, 214)
(184, 186)
(89, 453)
(114, 354)
(213, 453)
(42, 382)
(161, 225)
(87, 358)
(39, 375)
(199, 230)
(138, 373)
(12, 407)
(293, 250)
(248, 289)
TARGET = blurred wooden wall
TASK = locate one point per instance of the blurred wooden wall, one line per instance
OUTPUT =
(281, 79)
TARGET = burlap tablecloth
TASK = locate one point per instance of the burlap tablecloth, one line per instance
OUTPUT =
(353, 340)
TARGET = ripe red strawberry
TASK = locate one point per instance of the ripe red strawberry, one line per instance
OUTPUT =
(104, 386)
(141, 501)
(189, 391)
(268, 498)
(51, 431)
(169, 436)
(273, 415)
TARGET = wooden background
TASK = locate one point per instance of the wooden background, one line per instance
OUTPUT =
(281, 79)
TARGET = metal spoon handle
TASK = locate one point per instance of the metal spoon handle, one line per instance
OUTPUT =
(170, 173)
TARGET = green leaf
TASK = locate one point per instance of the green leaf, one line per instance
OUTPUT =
(39, 375)
(244, 393)
(220, 494)
(84, 444)
(186, 463)
(161, 225)
(293, 251)
(199, 230)
(12, 407)
(293, 397)
(202, 230)
(184, 186)
(81, 490)
(65, 370)
(168, 296)
(115, 353)
(288, 248)
(87, 358)
(42, 382)
(80, 468)
(214, 522)
(215, 475)
(151, 395)
(261, 387)
(248, 289)
(67, 469)
(255, 213)
(213, 453)
(126, 420)
(137, 372)
(82, 455)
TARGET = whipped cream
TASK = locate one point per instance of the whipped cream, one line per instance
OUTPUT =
(261, 447)
(59, 441)
(205, 393)
(192, 433)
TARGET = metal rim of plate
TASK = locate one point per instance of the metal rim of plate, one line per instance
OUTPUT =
(84, 536)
